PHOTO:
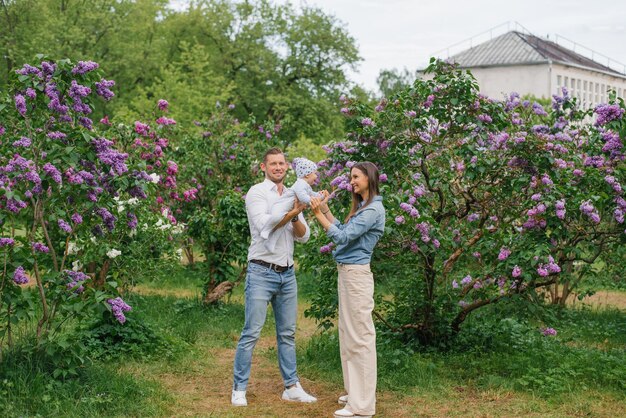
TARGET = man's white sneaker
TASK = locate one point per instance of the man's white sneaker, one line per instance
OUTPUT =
(345, 413)
(343, 400)
(297, 394)
(238, 398)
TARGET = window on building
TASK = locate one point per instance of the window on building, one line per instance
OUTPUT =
(559, 80)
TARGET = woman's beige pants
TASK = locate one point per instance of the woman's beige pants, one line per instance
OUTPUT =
(357, 337)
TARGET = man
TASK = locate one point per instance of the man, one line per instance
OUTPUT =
(271, 279)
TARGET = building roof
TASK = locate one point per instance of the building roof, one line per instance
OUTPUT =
(522, 48)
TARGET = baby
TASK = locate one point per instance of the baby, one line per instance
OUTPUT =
(306, 171)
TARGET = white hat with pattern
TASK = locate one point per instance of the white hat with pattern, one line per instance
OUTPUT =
(303, 167)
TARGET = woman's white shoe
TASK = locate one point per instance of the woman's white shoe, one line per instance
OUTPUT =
(345, 413)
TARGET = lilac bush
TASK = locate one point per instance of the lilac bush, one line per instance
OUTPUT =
(61, 181)
(488, 200)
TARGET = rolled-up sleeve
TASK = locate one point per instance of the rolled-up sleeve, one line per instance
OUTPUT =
(341, 234)
(307, 234)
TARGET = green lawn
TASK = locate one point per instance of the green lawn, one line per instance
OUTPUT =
(176, 360)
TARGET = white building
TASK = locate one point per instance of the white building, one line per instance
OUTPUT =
(526, 64)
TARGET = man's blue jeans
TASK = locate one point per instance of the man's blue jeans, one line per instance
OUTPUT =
(263, 286)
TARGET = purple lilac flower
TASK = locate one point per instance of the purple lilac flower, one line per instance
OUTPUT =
(517, 271)
(23, 142)
(7, 242)
(75, 280)
(65, 226)
(429, 101)
(48, 68)
(367, 122)
(53, 172)
(132, 220)
(473, 217)
(536, 197)
(560, 209)
(547, 332)
(400, 219)
(163, 104)
(382, 178)
(56, 135)
(2, 130)
(31, 93)
(476, 254)
(103, 89)
(589, 210)
(618, 214)
(39, 247)
(466, 280)
(613, 143)
(553, 267)
(455, 284)
(86, 123)
(504, 254)
(172, 168)
(485, 118)
(419, 191)
(20, 104)
(29, 69)
(113, 158)
(19, 276)
(107, 218)
(84, 67)
(169, 121)
(324, 249)
(545, 179)
(539, 110)
(118, 306)
(77, 219)
(410, 113)
(607, 113)
(141, 128)
(542, 271)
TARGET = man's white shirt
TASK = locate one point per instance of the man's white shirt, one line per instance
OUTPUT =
(259, 201)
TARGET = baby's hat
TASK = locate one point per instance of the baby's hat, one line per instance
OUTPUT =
(303, 167)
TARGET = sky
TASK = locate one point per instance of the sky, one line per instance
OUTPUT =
(406, 33)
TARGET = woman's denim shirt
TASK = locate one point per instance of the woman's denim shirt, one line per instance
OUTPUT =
(356, 239)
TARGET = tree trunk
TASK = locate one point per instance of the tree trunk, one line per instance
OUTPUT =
(98, 275)
(218, 292)
(215, 292)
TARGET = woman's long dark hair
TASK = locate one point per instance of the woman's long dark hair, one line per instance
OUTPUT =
(371, 172)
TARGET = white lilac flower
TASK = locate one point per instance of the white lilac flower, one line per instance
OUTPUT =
(155, 178)
(113, 253)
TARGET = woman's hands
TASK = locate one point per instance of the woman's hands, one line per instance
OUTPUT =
(320, 205)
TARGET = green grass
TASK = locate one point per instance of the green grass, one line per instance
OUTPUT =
(500, 351)
(99, 390)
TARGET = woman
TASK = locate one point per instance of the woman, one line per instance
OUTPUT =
(355, 240)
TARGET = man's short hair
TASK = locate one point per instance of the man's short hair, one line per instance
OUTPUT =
(272, 151)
